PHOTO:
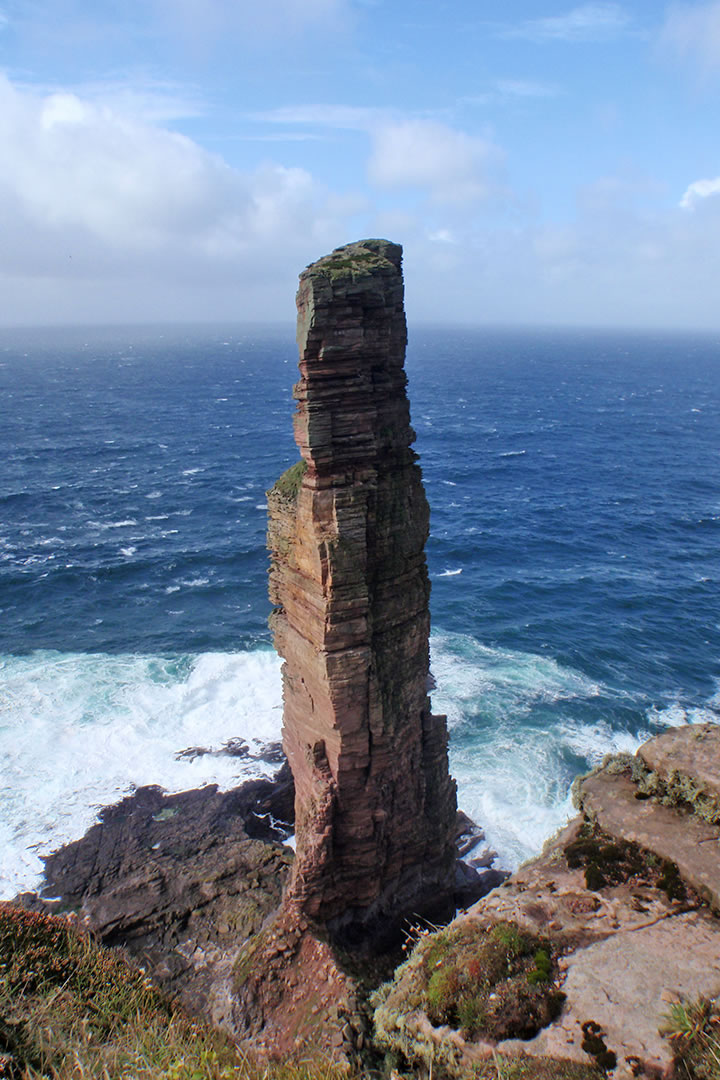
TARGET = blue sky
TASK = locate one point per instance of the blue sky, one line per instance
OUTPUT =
(541, 162)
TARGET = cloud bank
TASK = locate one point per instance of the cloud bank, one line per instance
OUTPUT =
(108, 215)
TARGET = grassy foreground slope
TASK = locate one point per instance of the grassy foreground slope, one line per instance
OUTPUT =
(70, 1009)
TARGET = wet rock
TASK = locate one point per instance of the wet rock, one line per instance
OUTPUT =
(179, 881)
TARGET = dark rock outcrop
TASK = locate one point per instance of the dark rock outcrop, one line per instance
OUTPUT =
(375, 805)
(180, 881)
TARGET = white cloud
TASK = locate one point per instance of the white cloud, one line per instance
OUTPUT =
(450, 164)
(342, 117)
(698, 191)
(693, 33)
(509, 90)
(447, 164)
(588, 22)
(90, 193)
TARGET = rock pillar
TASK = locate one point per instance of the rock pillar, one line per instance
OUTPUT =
(375, 805)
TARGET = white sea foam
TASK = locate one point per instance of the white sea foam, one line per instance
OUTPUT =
(677, 715)
(79, 731)
(512, 771)
(450, 573)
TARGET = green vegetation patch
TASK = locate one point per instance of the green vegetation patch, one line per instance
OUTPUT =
(288, 485)
(693, 1029)
(494, 982)
(360, 263)
(73, 1010)
(676, 790)
(608, 862)
(534, 1068)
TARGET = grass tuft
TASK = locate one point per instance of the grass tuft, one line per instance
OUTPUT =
(73, 1010)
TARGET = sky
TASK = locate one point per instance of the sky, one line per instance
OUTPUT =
(541, 161)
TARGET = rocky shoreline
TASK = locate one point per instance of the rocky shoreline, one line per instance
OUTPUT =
(183, 882)
(623, 903)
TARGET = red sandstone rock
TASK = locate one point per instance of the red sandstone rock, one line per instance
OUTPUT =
(375, 806)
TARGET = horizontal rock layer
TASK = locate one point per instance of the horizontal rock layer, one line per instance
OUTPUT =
(374, 802)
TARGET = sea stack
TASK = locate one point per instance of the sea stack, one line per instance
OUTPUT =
(375, 804)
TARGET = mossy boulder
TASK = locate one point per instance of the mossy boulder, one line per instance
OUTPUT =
(484, 981)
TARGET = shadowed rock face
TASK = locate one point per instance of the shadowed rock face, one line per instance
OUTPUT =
(375, 806)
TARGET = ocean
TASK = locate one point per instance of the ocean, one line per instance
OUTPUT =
(574, 557)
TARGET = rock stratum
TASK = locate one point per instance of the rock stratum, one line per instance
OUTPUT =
(375, 805)
(593, 952)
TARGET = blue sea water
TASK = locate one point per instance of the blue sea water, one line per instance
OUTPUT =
(574, 555)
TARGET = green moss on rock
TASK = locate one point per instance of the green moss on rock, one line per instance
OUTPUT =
(488, 982)
(288, 485)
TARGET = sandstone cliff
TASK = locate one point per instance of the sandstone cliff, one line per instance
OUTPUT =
(375, 806)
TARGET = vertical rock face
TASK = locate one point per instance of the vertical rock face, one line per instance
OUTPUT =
(375, 806)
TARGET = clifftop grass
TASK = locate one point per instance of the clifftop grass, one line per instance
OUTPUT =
(72, 1010)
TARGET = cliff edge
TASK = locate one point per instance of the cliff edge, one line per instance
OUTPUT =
(593, 953)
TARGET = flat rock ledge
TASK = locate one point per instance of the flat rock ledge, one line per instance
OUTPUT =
(623, 902)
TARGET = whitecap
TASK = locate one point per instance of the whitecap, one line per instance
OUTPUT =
(450, 573)
(196, 583)
(513, 453)
(509, 745)
(128, 552)
(191, 472)
(154, 495)
(171, 589)
(677, 715)
(78, 731)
